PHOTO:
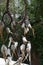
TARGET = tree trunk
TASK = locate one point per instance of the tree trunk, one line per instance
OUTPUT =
(35, 59)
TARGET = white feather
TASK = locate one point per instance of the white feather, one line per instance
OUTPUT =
(22, 47)
(23, 25)
(8, 52)
(26, 30)
(16, 44)
(2, 62)
(4, 48)
(8, 30)
(10, 40)
(29, 45)
(13, 47)
(29, 25)
(24, 39)
(19, 59)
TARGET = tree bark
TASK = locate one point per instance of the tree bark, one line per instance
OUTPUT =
(35, 59)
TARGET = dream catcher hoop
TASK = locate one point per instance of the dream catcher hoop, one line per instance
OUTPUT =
(7, 15)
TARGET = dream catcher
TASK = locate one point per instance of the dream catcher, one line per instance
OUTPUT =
(22, 52)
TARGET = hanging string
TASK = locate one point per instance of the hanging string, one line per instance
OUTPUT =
(25, 13)
(7, 5)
